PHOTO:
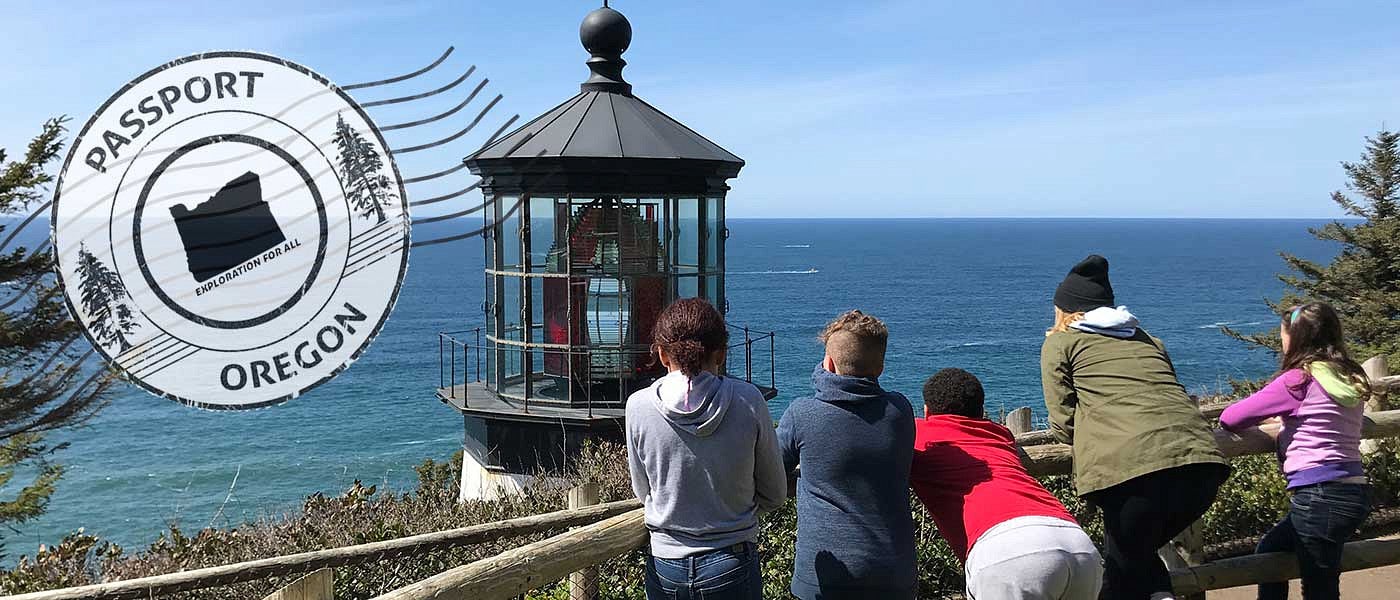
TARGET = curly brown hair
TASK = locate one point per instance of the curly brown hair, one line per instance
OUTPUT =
(690, 331)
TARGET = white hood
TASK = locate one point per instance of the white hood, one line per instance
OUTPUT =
(1113, 322)
(692, 403)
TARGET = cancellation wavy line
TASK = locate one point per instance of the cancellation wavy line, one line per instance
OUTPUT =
(270, 274)
(352, 269)
(303, 157)
(340, 246)
(126, 242)
(76, 185)
(316, 150)
(166, 224)
(68, 376)
(442, 173)
(280, 169)
(21, 294)
(167, 348)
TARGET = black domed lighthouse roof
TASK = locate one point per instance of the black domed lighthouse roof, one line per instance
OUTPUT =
(604, 140)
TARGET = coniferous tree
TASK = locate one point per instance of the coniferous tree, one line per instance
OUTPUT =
(361, 172)
(43, 385)
(1363, 280)
(104, 301)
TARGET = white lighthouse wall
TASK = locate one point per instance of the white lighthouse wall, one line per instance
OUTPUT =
(480, 483)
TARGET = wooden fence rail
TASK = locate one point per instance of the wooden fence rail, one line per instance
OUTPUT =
(610, 530)
(1277, 566)
(1382, 385)
(305, 562)
(1054, 459)
(514, 572)
(517, 571)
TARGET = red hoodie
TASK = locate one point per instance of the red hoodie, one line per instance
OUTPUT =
(969, 477)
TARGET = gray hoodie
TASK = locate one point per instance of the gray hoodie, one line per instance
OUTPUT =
(704, 460)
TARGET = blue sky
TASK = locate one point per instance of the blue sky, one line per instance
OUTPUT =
(898, 108)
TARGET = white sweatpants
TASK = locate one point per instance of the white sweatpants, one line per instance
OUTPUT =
(1034, 558)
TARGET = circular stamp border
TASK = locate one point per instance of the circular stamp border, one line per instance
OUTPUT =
(398, 180)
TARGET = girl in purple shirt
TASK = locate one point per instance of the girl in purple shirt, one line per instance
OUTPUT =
(1318, 395)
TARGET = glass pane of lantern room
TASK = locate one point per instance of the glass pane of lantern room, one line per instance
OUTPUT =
(648, 284)
(510, 233)
(686, 235)
(713, 283)
(510, 318)
(609, 314)
(542, 231)
(687, 286)
(489, 239)
(714, 235)
(536, 285)
(489, 217)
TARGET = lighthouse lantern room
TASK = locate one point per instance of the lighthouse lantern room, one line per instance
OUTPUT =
(598, 214)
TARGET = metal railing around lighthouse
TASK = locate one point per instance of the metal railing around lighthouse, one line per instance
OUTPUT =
(463, 358)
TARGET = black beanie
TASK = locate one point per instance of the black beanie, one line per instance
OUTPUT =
(1086, 287)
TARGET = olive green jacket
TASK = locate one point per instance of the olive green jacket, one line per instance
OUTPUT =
(1118, 402)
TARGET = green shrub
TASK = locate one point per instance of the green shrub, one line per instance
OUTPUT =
(1249, 503)
(360, 515)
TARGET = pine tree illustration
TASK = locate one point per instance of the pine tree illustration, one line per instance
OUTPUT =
(361, 172)
(104, 300)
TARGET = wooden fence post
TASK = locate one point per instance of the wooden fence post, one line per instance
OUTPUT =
(1376, 368)
(1186, 550)
(1019, 420)
(583, 585)
(316, 585)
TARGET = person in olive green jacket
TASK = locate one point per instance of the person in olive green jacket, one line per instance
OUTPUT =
(1142, 451)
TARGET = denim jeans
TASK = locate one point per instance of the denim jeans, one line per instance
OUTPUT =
(1320, 519)
(725, 574)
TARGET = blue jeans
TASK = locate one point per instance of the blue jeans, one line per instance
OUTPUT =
(1320, 519)
(725, 574)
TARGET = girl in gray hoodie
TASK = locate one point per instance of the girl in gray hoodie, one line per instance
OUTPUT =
(704, 462)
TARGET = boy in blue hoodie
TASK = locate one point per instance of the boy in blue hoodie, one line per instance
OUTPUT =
(854, 441)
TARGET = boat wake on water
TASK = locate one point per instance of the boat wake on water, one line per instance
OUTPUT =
(803, 272)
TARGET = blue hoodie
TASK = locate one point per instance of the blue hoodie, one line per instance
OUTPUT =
(855, 534)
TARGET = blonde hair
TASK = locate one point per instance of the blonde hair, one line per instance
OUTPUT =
(856, 342)
(1063, 320)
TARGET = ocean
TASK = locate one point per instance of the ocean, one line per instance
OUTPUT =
(970, 293)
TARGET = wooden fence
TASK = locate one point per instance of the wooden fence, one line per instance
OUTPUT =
(307, 562)
(518, 571)
(606, 531)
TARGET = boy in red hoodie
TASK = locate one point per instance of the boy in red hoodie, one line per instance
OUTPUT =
(1014, 538)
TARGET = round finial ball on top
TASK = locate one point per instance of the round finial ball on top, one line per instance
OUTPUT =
(605, 31)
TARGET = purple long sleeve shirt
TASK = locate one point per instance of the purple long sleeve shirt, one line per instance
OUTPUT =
(1320, 440)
